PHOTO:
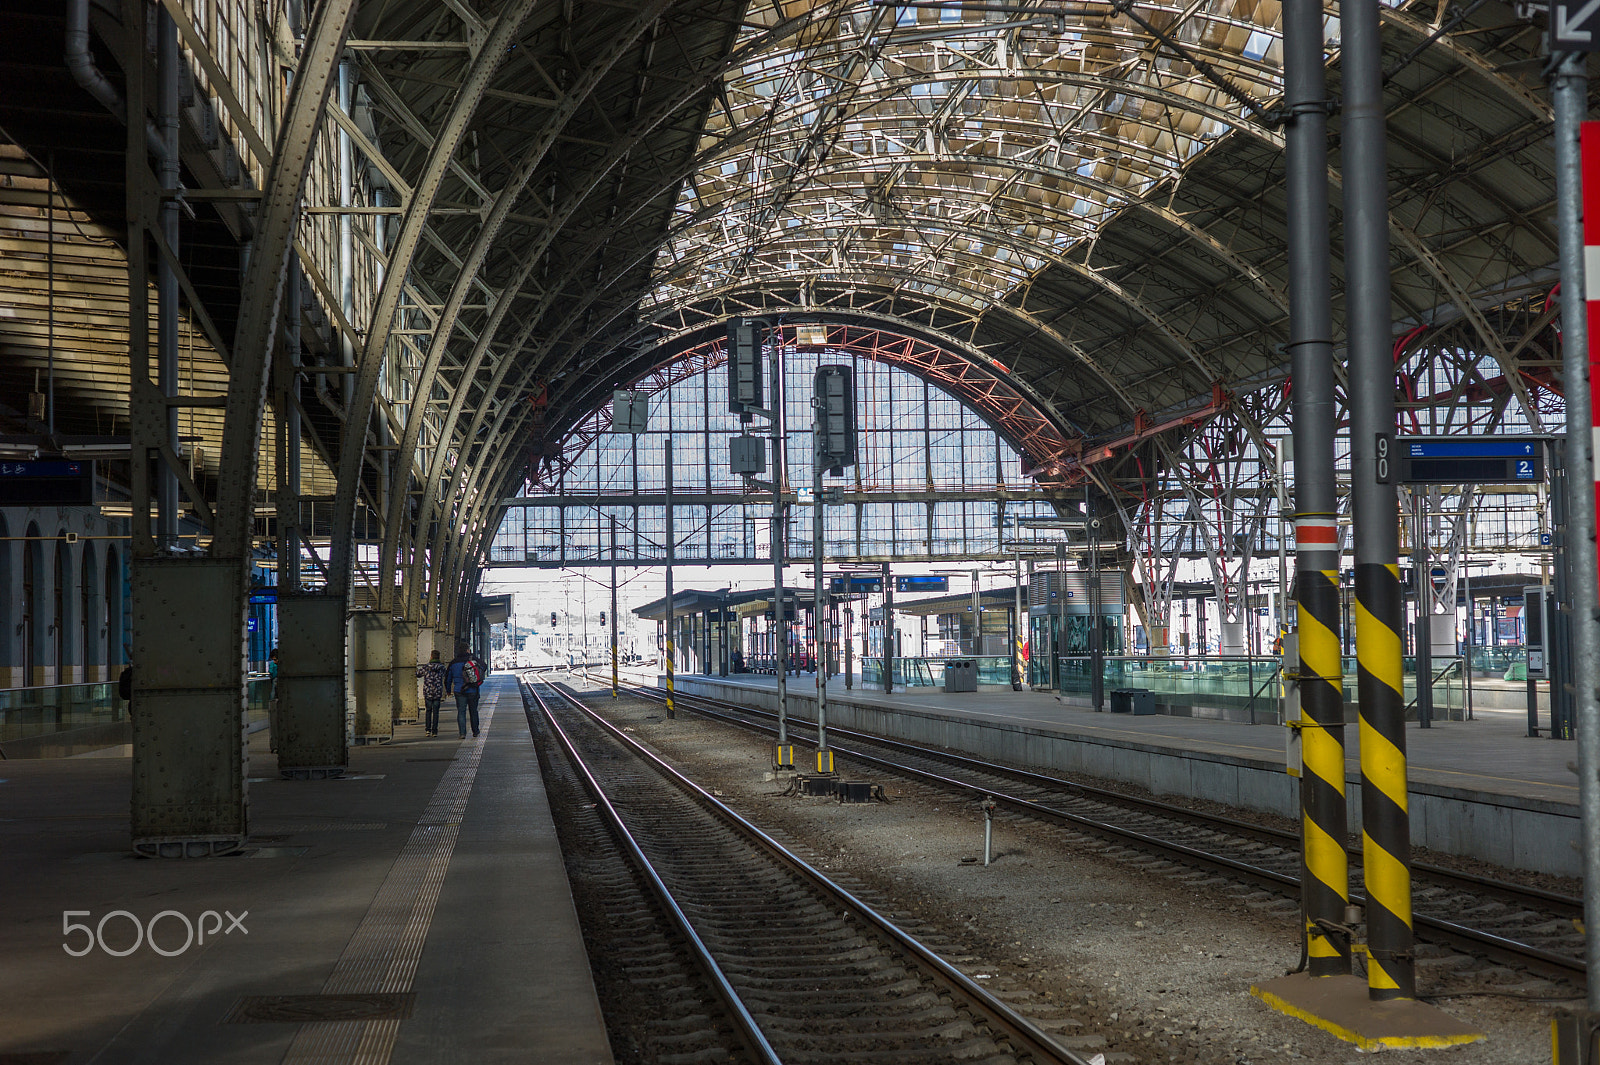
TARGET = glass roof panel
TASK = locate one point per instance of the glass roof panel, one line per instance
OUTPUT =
(930, 146)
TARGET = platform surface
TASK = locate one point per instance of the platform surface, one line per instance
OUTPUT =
(432, 871)
(1491, 754)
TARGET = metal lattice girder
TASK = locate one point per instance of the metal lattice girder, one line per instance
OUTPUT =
(263, 285)
(687, 90)
(440, 157)
(472, 264)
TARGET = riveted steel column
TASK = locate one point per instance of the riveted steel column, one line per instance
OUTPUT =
(1326, 884)
(403, 688)
(189, 793)
(313, 743)
(1380, 604)
(372, 659)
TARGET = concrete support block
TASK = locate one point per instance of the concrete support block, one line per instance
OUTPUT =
(313, 732)
(372, 675)
(188, 707)
(405, 672)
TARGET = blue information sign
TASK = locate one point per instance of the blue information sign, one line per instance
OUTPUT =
(1469, 459)
(45, 482)
(856, 582)
(922, 584)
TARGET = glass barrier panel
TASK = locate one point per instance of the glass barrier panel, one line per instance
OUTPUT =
(26, 712)
(40, 711)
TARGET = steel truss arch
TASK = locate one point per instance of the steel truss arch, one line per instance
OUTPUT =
(618, 153)
(263, 282)
(1007, 405)
(469, 269)
(440, 157)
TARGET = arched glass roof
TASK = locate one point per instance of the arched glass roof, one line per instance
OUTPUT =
(953, 151)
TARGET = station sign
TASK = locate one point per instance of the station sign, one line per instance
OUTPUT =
(856, 583)
(46, 482)
(1573, 24)
(1406, 459)
(922, 584)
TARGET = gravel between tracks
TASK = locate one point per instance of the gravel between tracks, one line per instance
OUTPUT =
(1153, 968)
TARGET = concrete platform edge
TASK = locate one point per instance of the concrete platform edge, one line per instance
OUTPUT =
(1508, 830)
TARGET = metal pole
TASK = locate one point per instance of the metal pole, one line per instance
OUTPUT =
(1472, 623)
(988, 829)
(1380, 606)
(289, 415)
(849, 646)
(824, 755)
(1057, 607)
(672, 707)
(1016, 643)
(1097, 649)
(977, 618)
(1326, 887)
(780, 475)
(167, 357)
(614, 606)
(1423, 579)
(888, 631)
(1569, 92)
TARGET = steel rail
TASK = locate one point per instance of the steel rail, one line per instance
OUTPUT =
(1455, 934)
(749, 1030)
(1026, 1036)
(1572, 905)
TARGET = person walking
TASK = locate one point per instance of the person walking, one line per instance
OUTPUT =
(464, 677)
(272, 701)
(432, 673)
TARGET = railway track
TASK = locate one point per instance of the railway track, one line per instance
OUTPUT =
(787, 966)
(1509, 923)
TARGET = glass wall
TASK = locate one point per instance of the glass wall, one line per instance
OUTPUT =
(915, 439)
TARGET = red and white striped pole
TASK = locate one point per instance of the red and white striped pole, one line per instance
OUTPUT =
(1589, 145)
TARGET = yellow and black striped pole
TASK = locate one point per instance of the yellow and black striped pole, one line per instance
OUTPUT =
(1326, 886)
(1385, 818)
(1380, 605)
(1325, 883)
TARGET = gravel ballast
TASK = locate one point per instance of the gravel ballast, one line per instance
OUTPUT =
(1122, 954)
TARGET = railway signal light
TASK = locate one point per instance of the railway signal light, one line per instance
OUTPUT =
(744, 366)
(834, 400)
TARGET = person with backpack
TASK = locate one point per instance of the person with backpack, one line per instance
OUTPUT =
(272, 701)
(463, 679)
(432, 673)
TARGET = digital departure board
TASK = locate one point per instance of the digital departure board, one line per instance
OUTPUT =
(46, 482)
(1461, 459)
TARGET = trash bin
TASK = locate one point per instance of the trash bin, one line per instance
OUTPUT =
(1139, 702)
(961, 675)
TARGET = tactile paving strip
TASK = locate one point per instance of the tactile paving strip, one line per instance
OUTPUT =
(382, 956)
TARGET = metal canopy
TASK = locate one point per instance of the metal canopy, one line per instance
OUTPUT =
(1091, 201)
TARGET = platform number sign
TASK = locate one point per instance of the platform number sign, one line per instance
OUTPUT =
(1462, 459)
(1573, 24)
